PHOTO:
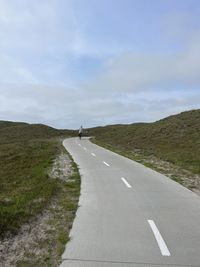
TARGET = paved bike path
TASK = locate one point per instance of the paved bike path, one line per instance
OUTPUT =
(130, 215)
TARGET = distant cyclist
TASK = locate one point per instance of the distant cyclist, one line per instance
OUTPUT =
(80, 132)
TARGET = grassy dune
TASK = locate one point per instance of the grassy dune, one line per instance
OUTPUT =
(175, 139)
(26, 154)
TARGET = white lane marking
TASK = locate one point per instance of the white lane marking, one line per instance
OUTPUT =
(106, 163)
(93, 154)
(85, 148)
(79, 144)
(126, 183)
(161, 243)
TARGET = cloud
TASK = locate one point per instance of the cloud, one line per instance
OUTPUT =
(130, 88)
(51, 50)
(39, 40)
(133, 72)
(64, 107)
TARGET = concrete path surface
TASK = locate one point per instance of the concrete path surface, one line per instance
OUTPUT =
(130, 215)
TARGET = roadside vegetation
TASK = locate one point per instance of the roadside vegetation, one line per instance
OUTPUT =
(170, 145)
(48, 240)
(25, 185)
(29, 190)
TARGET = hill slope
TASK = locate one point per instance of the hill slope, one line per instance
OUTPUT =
(19, 131)
(175, 139)
(26, 154)
(6, 124)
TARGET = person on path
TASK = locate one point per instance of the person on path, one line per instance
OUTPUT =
(80, 132)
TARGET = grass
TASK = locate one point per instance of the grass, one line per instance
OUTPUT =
(62, 216)
(25, 184)
(175, 139)
(26, 154)
(69, 203)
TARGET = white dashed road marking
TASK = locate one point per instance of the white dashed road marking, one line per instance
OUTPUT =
(106, 163)
(126, 183)
(161, 243)
(85, 148)
(93, 154)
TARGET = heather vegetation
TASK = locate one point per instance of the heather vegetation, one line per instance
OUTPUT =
(27, 153)
(175, 139)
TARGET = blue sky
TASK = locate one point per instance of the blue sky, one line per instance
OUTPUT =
(68, 63)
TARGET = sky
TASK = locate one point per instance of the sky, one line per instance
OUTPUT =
(67, 63)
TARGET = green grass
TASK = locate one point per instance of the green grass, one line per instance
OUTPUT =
(62, 216)
(175, 139)
(26, 154)
(25, 185)
(69, 202)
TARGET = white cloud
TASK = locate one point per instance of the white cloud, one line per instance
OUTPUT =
(71, 107)
(131, 88)
(131, 72)
(40, 39)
